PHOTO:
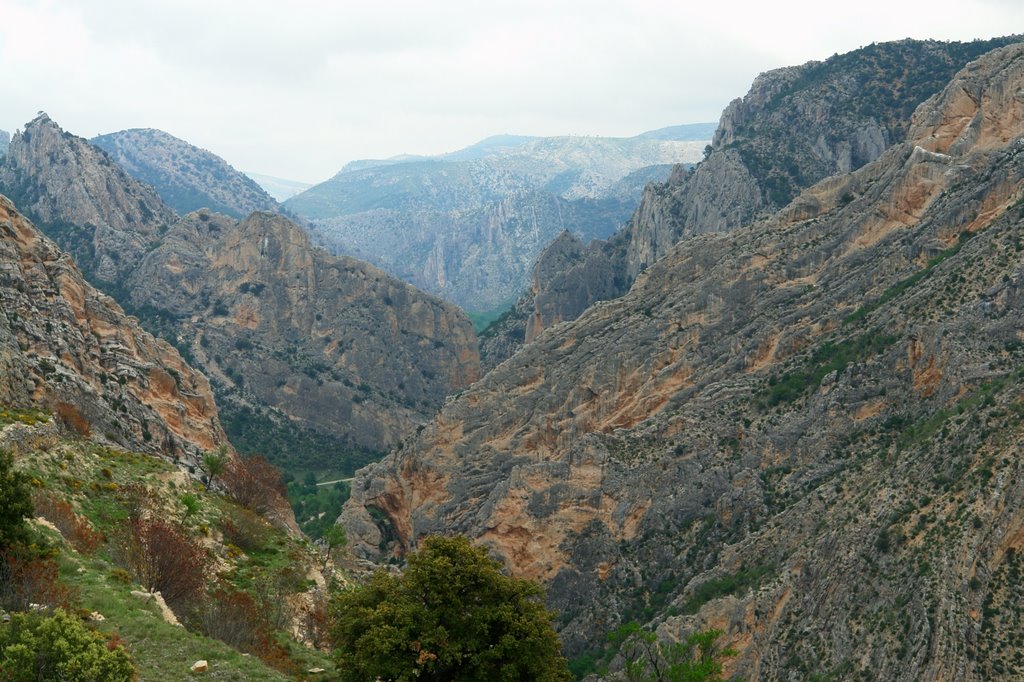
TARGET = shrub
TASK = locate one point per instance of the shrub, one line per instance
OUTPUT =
(26, 580)
(255, 484)
(161, 557)
(75, 529)
(235, 618)
(59, 647)
(15, 503)
(72, 419)
(246, 530)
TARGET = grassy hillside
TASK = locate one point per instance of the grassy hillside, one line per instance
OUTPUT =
(256, 579)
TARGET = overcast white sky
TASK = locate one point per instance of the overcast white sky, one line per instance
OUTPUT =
(298, 88)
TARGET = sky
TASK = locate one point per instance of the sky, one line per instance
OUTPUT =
(297, 89)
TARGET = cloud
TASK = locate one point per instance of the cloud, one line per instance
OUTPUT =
(298, 89)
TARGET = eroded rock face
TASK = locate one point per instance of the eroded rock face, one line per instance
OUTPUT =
(67, 348)
(105, 219)
(187, 178)
(333, 342)
(803, 431)
(795, 127)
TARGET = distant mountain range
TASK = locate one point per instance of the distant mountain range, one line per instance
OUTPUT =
(5, 141)
(279, 188)
(186, 177)
(468, 225)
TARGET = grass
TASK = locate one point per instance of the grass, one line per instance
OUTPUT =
(94, 480)
(160, 651)
(13, 415)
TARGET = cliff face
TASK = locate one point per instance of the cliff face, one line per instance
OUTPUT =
(803, 431)
(332, 342)
(294, 337)
(794, 127)
(67, 348)
(186, 177)
(91, 208)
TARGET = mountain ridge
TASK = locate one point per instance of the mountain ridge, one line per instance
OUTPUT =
(760, 155)
(786, 431)
(186, 177)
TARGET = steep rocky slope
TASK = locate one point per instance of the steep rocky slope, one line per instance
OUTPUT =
(186, 177)
(311, 354)
(467, 226)
(334, 343)
(85, 202)
(805, 432)
(67, 348)
(795, 126)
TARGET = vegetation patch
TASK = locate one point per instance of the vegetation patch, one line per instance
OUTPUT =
(828, 357)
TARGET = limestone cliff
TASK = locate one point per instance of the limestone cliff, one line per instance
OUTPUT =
(334, 343)
(292, 338)
(186, 177)
(69, 349)
(796, 126)
(804, 431)
(87, 204)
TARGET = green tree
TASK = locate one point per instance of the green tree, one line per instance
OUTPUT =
(333, 537)
(191, 504)
(59, 647)
(452, 615)
(214, 464)
(648, 659)
(15, 503)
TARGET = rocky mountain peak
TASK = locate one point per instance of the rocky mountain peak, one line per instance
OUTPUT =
(94, 210)
(796, 126)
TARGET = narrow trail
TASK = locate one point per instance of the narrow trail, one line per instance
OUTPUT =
(339, 480)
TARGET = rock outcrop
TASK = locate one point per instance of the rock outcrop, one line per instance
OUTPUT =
(186, 177)
(796, 126)
(69, 349)
(105, 219)
(332, 342)
(804, 431)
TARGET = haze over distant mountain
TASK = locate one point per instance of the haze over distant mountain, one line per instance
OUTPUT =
(803, 430)
(469, 224)
(186, 177)
(279, 188)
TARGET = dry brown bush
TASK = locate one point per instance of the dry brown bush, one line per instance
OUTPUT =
(75, 529)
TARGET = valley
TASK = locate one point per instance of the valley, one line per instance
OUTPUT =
(741, 400)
